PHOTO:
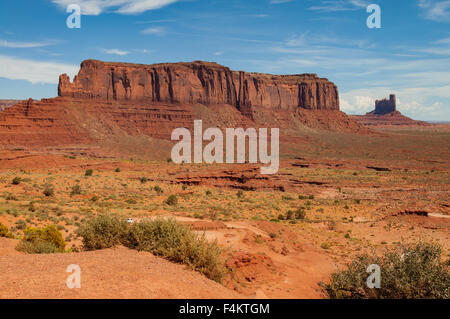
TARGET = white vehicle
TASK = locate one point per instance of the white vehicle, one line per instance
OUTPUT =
(130, 220)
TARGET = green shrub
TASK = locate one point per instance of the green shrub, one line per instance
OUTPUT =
(16, 180)
(102, 232)
(414, 271)
(21, 224)
(42, 240)
(48, 190)
(4, 232)
(76, 190)
(158, 189)
(144, 180)
(172, 200)
(179, 244)
(88, 172)
(37, 247)
(117, 170)
(208, 193)
(300, 213)
(10, 196)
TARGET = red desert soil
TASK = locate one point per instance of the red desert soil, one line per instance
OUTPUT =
(109, 273)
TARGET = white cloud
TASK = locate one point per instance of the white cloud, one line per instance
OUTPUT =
(24, 45)
(116, 52)
(436, 10)
(34, 71)
(154, 31)
(96, 7)
(339, 5)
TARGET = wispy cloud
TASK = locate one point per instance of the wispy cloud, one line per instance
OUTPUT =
(154, 31)
(280, 1)
(339, 5)
(96, 7)
(25, 45)
(116, 52)
(34, 71)
(436, 10)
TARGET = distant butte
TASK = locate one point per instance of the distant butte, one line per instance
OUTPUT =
(386, 114)
(108, 102)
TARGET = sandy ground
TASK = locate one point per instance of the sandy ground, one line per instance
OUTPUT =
(111, 273)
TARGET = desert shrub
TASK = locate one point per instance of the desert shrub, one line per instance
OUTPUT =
(280, 217)
(4, 231)
(76, 190)
(10, 196)
(290, 215)
(101, 232)
(414, 271)
(287, 197)
(16, 180)
(161, 237)
(144, 180)
(240, 193)
(42, 240)
(172, 200)
(131, 201)
(37, 247)
(184, 187)
(208, 193)
(21, 224)
(177, 243)
(88, 172)
(48, 190)
(300, 213)
(117, 170)
(158, 189)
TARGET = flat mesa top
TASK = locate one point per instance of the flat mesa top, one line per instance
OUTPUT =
(212, 65)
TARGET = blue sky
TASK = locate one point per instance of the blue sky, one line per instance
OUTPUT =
(408, 56)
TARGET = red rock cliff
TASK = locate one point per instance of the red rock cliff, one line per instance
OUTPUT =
(198, 82)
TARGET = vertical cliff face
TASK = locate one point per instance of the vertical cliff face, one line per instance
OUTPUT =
(198, 83)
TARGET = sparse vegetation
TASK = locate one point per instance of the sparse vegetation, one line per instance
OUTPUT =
(88, 172)
(161, 237)
(45, 240)
(172, 200)
(16, 180)
(101, 232)
(49, 190)
(76, 190)
(413, 271)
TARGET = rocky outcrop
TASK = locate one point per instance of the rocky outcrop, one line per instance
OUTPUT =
(386, 114)
(390, 119)
(198, 83)
(7, 103)
(385, 106)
